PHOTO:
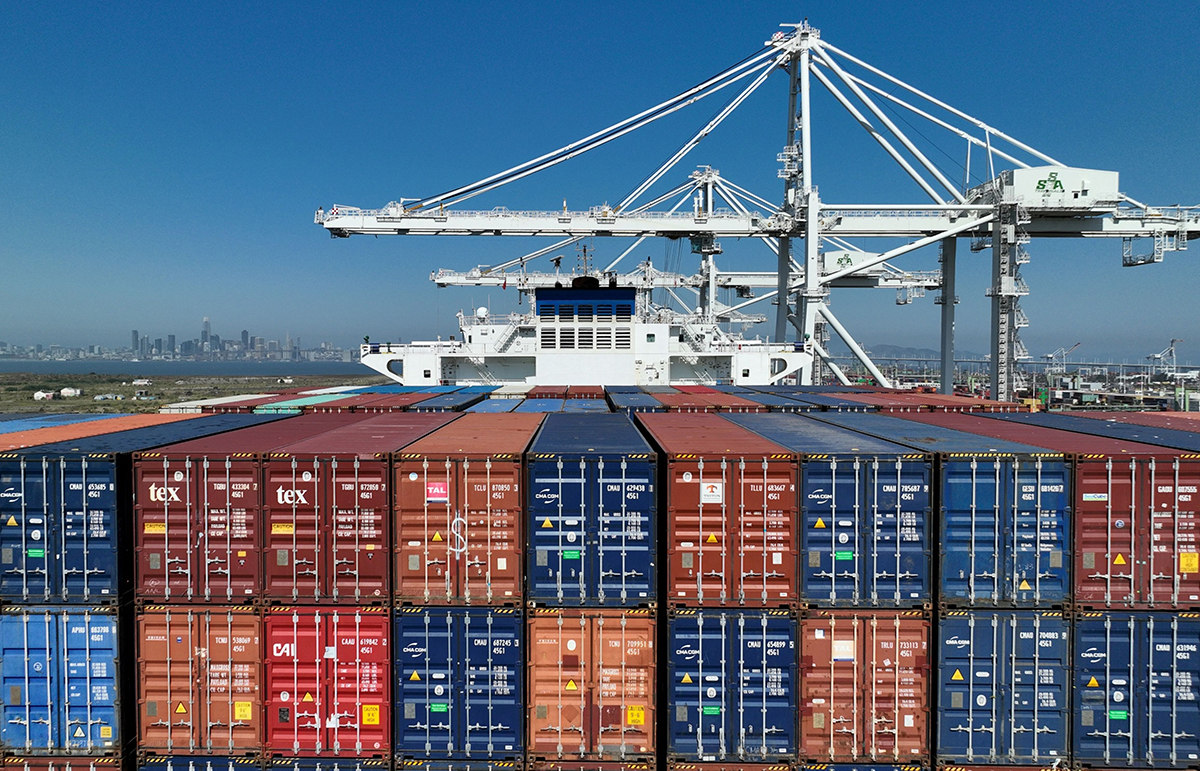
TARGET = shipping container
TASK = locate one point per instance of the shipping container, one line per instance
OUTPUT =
(592, 765)
(831, 402)
(459, 683)
(733, 685)
(494, 405)
(865, 505)
(328, 682)
(735, 766)
(685, 402)
(634, 402)
(1135, 517)
(623, 389)
(1179, 421)
(882, 767)
(459, 510)
(585, 392)
(777, 403)
(199, 680)
(865, 686)
(592, 676)
(448, 402)
(585, 405)
(198, 511)
(59, 671)
(547, 392)
(1137, 690)
(1004, 527)
(731, 510)
(1003, 687)
(36, 437)
(591, 516)
(391, 402)
(201, 763)
(324, 764)
(63, 507)
(540, 405)
(61, 763)
(1131, 432)
(421, 764)
(22, 422)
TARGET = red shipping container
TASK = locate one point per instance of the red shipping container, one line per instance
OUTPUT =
(326, 520)
(864, 687)
(547, 392)
(328, 682)
(585, 392)
(199, 673)
(1136, 519)
(1179, 421)
(732, 531)
(592, 679)
(197, 511)
(33, 437)
(459, 512)
(685, 402)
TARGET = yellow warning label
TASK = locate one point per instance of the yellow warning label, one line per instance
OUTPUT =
(820, 524)
(370, 714)
(1024, 584)
(370, 547)
(241, 554)
(1120, 560)
(415, 677)
(687, 678)
(571, 686)
(437, 536)
(1189, 562)
(11, 521)
(1093, 684)
(307, 696)
(78, 733)
(635, 715)
(283, 528)
(105, 732)
(181, 710)
(712, 538)
(957, 675)
(547, 523)
(243, 710)
(149, 527)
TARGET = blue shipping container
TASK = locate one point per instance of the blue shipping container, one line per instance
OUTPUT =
(1137, 690)
(591, 513)
(865, 504)
(447, 402)
(635, 402)
(493, 405)
(540, 405)
(1004, 679)
(58, 672)
(733, 684)
(1004, 513)
(459, 683)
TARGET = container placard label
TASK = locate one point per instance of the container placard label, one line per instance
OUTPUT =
(283, 528)
(635, 715)
(1095, 496)
(710, 710)
(437, 492)
(243, 710)
(843, 650)
(370, 714)
(571, 554)
(439, 707)
(1189, 562)
(154, 527)
(1118, 714)
(712, 492)
(843, 555)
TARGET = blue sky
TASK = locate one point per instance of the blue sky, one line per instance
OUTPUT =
(162, 161)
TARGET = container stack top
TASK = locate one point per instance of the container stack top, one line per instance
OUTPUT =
(478, 435)
(376, 437)
(1130, 432)
(931, 439)
(693, 435)
(812, 437)
(1067, 442)
(54, 434)
(573, 434)
(258, 439)
(139, 439)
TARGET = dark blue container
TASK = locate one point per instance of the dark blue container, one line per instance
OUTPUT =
(627, 389)
(1004, 513)
(832, 403)
(733, 680)
(585, 405)
(60, 680)
(439, 389)
(1129, 432)
(780, 403)
(494, 405)
(635, 402)
(62, 504)
(478, 389)
(448, 402)
(866, 508)
(1137, 690)
(1003, 687)
(198, 763)
(459, 683)
(591, 513)
(540, 405)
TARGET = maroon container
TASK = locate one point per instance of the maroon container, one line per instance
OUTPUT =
(732, 403)
(585, 392)
(732, 517)
(1180, 421)
(547, 392)
(199, 680)
(695, 389)
(1137, 511)
(865, 681)
(197, 511)
(249, 403)
(328, 681)
(326, 519)
(685, 402)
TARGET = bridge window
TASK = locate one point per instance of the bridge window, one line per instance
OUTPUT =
(624, 312)
(604, 338)
(585, 313)
(566, 313)
(547, 337)
(623, 338)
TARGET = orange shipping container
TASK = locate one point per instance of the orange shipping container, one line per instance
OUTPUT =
(592, 679)
(37, 436)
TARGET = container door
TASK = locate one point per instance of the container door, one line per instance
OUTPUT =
(622, 494)
(88, 539)
(1039, 664)
(293, 558)
(896, 570)
(764, 716)
(1040, 534)
(427, 496)
(357, 502)
(29, 667)
(485, 534)
(561, 526)
(1106, 680)
(230, 678)
(26, 510)
(166, 494)
(358, 678)
(89, 697)
(971, 540)
(834, 505)
(970, 721)
(701, 512)
(230, 547)
(700, 674)
(1107, 496)
(560, 658)
(491, 677)
(896, 682)
(766, 544)
(622, 685)
(1173, 572)
(426, 688)
(169, 685)
(295, 692)
(832, 698)
(1172, 706)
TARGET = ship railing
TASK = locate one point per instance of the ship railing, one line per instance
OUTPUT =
(511, 319)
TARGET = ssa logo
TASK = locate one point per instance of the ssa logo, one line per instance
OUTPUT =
(1051, 184)
(163, 493)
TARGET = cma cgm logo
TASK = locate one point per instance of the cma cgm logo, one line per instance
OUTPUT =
(545, 495)
(291, 497)
(163, 494)
(414, 649)
(688, 652)
(957, 643)
(1091, 654)
(11, 494)
(820, 496)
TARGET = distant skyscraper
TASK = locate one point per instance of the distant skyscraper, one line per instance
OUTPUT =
(245, 339)
(136, 341)
(158, 346)
(206, 331)
(144, 346)
(171, 344)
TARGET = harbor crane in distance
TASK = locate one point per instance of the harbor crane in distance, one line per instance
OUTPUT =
(1027, 195)
(1165, 359)
(1056, 361)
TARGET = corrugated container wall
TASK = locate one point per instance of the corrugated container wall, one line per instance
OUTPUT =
(67, 763)
(865, 679)
(731, 512)
(166, 763)
(591, 516)
(1004, 680)
(458, 512)
(1137, 690)
(592, 680)
(733, 685)
(60, 675)
(459, 683)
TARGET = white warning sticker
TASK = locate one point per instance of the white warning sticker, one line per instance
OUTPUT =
(712, 492)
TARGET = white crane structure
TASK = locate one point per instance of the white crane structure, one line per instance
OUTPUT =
(1028, 195)
(1056, 361)
(1165, 360)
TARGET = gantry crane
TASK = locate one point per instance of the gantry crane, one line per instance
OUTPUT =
(1056, 361)
(1035, 197)
(1165, 359)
